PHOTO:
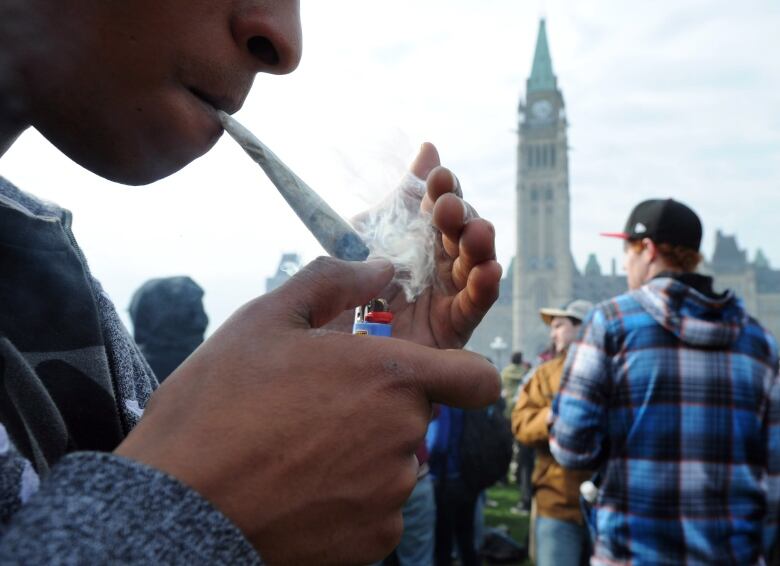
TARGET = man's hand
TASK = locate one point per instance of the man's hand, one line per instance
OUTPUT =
(467, 275)
(305, 437)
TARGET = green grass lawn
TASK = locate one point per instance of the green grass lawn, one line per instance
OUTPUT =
(507, 497)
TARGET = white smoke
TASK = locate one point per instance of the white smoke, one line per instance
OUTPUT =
(397, 230)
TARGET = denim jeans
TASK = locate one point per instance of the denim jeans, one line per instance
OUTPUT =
(561, 543)
(416, 547)
(455, 504)
(479, 520)
(525, 469)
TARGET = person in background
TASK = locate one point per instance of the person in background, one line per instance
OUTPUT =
(560, 535)
(672, 390)
(455, 501)
(511, 379)
(169, 322)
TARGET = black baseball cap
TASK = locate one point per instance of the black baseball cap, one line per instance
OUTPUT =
(664, 221)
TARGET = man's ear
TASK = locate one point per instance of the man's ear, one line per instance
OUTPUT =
(651, 249)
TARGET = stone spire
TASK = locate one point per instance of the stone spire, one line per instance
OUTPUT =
(592, 268)
(728, 257)
(761, 261)
(542, 77)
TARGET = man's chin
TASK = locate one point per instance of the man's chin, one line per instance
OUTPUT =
(139, 174)
(140, 168)
(157, 145)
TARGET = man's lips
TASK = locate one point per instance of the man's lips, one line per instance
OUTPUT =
(224, 103)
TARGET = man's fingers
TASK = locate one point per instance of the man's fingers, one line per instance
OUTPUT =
(454, 377)
(476, 245)
(458, 378)
(481, 291)
(448, 218)
(468, 242)
(326, 287)
(427, 159)
(441, 181)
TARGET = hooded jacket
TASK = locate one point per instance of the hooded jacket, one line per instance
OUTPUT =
(72, 386)
(673, 391)
(168, 321)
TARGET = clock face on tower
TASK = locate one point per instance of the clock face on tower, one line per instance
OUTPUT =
(542, 109)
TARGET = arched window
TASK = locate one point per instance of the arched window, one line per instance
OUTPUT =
(552, 155)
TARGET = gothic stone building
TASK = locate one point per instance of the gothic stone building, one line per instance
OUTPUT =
(543, 272)
(755, 281)
(289, 265)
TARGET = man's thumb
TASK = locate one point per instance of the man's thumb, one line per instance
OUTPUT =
(326, 287)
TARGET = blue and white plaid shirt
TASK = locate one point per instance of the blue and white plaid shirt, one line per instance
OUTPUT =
(676, 396)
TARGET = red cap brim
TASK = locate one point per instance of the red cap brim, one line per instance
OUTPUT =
(621, 235)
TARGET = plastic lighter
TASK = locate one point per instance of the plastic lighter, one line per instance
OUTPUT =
(373, 319)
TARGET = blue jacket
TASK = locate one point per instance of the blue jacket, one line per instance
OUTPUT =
(675, 393)
(445, 434)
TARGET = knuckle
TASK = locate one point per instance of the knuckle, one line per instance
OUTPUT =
(321, 274)
(398, 372)
(389, 533)
(415, 423)
(408, 479)
(435, 172)
(322, 266)
(323, 262)
(482, 224)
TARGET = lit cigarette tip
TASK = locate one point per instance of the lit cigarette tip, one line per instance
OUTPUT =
(334, 234)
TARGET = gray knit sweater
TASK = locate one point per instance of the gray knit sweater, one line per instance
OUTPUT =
(72, 385)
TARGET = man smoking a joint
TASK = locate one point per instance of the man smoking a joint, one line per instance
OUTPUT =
(223, 467)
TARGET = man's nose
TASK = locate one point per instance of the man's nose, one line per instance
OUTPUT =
(270, 33)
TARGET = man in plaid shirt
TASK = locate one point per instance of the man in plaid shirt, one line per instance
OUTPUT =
(672, 390)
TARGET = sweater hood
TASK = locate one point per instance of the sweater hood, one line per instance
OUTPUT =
(696, 318)
(168, 313)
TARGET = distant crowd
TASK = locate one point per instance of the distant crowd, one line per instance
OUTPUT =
(647, 433)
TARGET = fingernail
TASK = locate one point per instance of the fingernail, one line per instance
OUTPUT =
(456, 185)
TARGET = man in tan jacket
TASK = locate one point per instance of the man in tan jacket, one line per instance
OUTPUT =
(560, 535)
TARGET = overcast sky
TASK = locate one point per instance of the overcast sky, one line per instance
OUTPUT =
(676, 98)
